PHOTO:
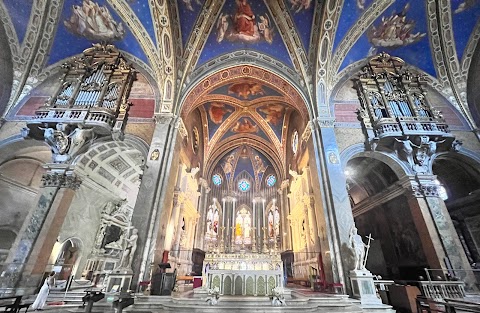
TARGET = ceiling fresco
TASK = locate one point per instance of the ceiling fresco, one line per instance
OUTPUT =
(142, 11)
(302, 14)
(401, 31)
(188, 11)
(19, 14)
(244, 159)
(245, 26)
(83, 23)
(466, 13)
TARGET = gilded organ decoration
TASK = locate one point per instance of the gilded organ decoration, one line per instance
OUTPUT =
(396, 115)
(91, 101)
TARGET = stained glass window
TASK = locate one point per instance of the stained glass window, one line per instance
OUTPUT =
(244, 185)
(271, 180)
(217, 180)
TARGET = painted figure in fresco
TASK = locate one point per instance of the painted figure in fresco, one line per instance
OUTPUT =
(465, 5)
(273, 113)
(394, 31)
(361, 4)
(188, 4)
(94, 22)
(259, 165)
(244, 90)
(217, 111)
(299, 5)
(244, 19)
(228, 165)
(244, 126)
(243, 25)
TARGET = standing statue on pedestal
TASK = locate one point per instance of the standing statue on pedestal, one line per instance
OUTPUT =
(356, 244)
(129, 251)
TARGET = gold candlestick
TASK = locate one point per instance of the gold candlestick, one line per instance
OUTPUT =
(254, 240)
(222, 240)
(265, 247)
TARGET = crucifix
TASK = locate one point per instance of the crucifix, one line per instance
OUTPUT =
(369, 237)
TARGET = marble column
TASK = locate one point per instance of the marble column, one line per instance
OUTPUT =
(335, 201)
(156, 190)
(202, 209)
(440, 241)
(28, 258)
(285, 232)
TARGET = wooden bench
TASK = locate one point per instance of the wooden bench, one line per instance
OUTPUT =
(303, 281)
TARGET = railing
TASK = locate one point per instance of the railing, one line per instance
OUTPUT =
(425, 305)
(443, 289)
(402, 126)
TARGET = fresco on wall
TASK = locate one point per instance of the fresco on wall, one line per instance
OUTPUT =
(19, 15)
(465, 15)
(244, 24)
(274, 115)
(86, 22)
(94, 22)
(188, 11)
(400, 32)
(217, 113)
(302, 14)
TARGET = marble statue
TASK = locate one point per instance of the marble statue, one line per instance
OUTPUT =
(356, 244)
(129, 250)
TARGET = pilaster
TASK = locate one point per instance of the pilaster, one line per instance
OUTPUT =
(151, 196)
(28, 258)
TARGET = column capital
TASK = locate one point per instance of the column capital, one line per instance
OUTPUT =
(322, 122)
(53, 179)
(421, 186)
(165, 118)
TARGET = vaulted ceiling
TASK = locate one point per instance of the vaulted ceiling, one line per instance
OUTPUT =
(316, 43)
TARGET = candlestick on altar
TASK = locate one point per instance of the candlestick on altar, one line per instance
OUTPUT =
(264, 216)
(222, 240)
(232, 244)
(265, 247)
(224, 213)
(254, 217)
(254, 240)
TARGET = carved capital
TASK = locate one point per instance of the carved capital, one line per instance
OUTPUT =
(164, 118)
(61, 180)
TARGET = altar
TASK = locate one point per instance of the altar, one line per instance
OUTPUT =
(248, 274)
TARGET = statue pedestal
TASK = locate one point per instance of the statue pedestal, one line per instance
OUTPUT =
(363, 287)
(119, 280)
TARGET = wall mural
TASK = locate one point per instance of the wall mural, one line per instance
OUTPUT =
(83, 23)
(246, 91)
(244, 24)
(245, 125)
(398, 31)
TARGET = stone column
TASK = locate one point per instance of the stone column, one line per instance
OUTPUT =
(440, 241)
(336, 204)
(202, 209)
(285, 233)
(29, 255)
(151, 200)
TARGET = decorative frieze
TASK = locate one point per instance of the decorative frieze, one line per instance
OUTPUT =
(61, 180)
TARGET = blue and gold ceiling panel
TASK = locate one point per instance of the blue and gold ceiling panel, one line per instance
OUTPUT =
(83, 23)
(465, 15)
(144, 14)
(245, 26)
(188, 11)
(302, 14)
(400, 31)
(19, 11)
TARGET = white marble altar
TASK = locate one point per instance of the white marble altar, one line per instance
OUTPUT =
(243, 273)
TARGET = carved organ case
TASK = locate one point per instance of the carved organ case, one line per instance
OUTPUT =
(92, 96)
(396, 115)
(394, 105)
